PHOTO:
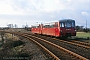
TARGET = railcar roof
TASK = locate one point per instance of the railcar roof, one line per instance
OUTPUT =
(64, 20)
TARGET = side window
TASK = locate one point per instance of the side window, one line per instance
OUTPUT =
(73, 24)
(61, 24)
(43, 26)
(46, 26)
(37, 26)
(56, 25)
(51, 26)
(33, 26)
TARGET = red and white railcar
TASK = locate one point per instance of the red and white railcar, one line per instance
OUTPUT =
(62, 28)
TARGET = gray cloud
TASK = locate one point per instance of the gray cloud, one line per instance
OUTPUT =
(39, 11)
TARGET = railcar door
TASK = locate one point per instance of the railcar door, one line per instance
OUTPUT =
(57, 29)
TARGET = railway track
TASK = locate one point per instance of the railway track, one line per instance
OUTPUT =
(50, 54)
(74, 42)
(78, 48)
(56, 48)
(82, 43)
(77, 43)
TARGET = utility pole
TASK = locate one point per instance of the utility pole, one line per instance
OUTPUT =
(86, 25)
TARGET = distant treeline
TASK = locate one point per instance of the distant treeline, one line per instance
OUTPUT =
(82, 29)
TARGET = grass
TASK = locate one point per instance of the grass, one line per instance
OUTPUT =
(83, 34)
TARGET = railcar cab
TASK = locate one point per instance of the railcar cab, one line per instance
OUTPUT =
(67, 28)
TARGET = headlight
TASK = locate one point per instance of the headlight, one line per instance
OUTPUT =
(61, 30)
(75, 30)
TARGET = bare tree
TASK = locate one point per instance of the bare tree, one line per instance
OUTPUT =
(16, 26)
(2, 36)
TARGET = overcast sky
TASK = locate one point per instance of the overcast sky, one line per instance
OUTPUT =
(21, 12)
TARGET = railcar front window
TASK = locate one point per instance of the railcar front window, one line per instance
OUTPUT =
(67, 24)
(73, 24)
